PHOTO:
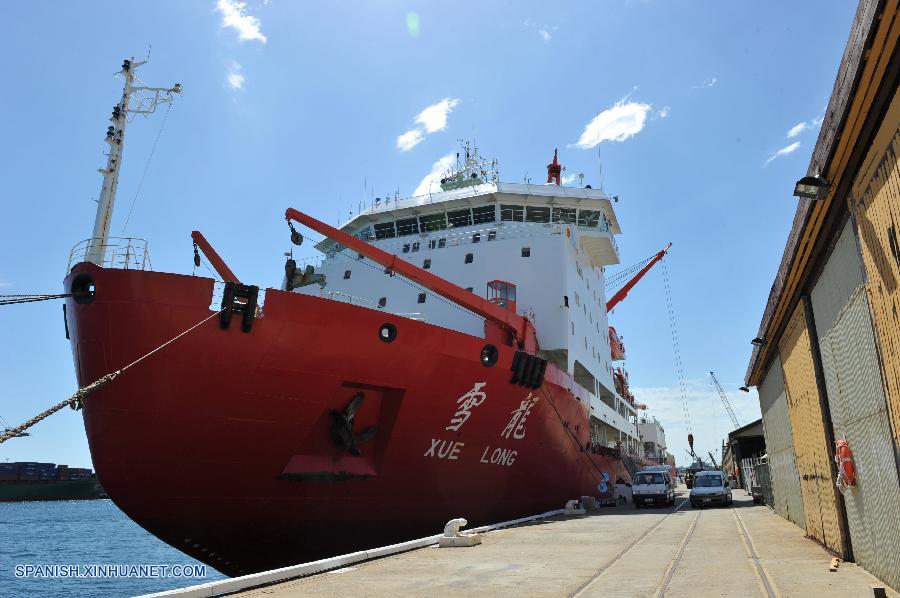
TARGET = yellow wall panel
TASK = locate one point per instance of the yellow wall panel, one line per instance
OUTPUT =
(876, 203)
(820, 500)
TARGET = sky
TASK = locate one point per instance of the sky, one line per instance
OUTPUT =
(700, 116)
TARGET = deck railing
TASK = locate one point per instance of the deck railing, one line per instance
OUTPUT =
(127, 253)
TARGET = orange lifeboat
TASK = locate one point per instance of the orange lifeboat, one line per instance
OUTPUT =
(616, 346)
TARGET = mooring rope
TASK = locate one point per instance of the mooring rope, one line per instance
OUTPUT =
(31, 298)
(77, 399)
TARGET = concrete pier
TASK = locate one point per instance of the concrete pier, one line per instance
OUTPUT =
(746, 550)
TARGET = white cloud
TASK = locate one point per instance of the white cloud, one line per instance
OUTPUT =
(545, 35)
(433, 178)
(664, 111)
(409, 140)
(233, 16)
(434, 118)
(618, 123)
(783, 152)
(5, 284)
(708, 83)
(797, 129)
(235, 76)
(568, 179)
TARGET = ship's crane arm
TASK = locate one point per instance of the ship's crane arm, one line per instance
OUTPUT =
(520, 328)
(728, 408)
(623, 292)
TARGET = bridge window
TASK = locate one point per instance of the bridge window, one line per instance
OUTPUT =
(459, 218)
(492, 235)
(476, 237)
(512, 213)
(421, 298)
(433, 222)
(346, 274)
(526, 252)
(564, 215)
(405, 248)
(432, 244)
(385, 230)
(589, 218)
(407, 226)
(415, 246)
(442, 243)
(484, 214)
(469, 258)
(537, 214)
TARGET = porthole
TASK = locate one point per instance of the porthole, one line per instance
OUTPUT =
(387, 333)
(346, 274)
(489, 355)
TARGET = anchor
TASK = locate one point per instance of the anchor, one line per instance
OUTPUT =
(342, 428)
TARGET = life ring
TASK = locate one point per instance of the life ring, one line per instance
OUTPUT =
(844, 459)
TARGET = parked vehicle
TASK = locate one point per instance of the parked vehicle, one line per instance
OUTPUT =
(652, 487)
(710, 488)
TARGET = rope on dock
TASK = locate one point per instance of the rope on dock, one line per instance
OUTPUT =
(76, 401)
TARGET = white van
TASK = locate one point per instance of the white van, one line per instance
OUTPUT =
(652, 485)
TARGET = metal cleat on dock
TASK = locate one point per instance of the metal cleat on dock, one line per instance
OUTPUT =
(453, 537)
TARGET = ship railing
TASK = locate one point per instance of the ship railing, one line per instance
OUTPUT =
(362, 301)
(125, 253)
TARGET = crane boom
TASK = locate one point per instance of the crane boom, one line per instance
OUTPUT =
(726, 402)
(519, 327)
(623, 292)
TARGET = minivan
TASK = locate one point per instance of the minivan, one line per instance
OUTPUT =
(652, 486)
(710, 488)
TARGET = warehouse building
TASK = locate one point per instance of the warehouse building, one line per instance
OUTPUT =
(826, 359)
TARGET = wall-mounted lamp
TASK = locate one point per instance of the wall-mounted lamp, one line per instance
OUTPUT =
(812, 187)
(758, 342)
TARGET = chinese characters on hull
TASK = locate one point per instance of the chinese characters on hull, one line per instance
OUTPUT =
(516, 426)
(465, 404)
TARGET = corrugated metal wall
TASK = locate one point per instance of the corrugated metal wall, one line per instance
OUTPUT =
(876, 204)
(810, 446)
(858, 409)
(788, 501)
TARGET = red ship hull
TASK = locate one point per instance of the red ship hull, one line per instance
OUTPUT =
(222, 444)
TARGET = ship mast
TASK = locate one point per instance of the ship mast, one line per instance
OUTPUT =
(136, 99)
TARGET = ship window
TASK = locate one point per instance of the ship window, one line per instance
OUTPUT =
(564, 215)
(459, 218)
(407, 226)
(476, 237)
(526, 252)
(492, 235)
(415, 246)
(577, 300)
(346, 274)
(512, 213)
(406, 248)
(469, 258)
(421, 298)
(426, 264)
(470, 289)
(589, 218)
(432, 244)
(433, 222)
(365, 234)
(385, 230)
(442, 243)
(537, 214)
(566, 301)
(359, 256)
(382, 302)
(573, 328)
(484, 214)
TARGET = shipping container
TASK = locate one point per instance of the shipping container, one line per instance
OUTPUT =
(876, 204)
(787, 498)
(820, 498)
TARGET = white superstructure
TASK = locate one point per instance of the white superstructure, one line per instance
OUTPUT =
(552, 242)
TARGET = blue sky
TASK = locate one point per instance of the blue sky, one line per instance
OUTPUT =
(707, 112)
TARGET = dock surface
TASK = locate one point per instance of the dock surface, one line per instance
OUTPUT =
(744, 550)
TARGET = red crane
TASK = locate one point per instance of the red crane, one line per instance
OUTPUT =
(623, 292)
(500, 321)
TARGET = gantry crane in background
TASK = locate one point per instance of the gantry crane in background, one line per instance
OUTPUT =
(734, 419)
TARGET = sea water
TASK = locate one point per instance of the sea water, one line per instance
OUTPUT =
(86, 548)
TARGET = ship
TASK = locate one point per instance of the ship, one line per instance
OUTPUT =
(32, 481)
(448, 355)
